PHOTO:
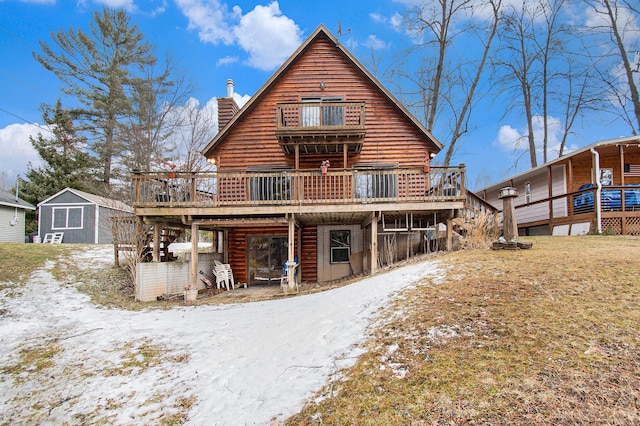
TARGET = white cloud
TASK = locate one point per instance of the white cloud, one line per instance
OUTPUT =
(268, 36)
(513, 139)
(241, 99)
(396, 21)
(626, 22)
(376, 17)
(209, 18)
(39, 1)
(375, 43)
(16, 148)
(127, 5)
(227, 60)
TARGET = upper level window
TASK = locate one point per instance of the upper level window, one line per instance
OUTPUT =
(322, 112)
(67, 217)
(527, 192)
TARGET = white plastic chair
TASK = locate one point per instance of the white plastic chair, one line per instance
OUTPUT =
(225, 268)
(222, 277)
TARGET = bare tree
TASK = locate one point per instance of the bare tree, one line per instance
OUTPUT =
(619, 65)
(543, 76)
(146, 135)
(197, 126)
(444, 87)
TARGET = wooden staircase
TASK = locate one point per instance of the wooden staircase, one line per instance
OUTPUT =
(165, 234)
(135, 239)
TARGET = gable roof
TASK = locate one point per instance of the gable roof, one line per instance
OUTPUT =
(94, 199)
(320, 31)
(10, 200)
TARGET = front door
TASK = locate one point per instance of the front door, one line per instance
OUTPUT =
(267, 256)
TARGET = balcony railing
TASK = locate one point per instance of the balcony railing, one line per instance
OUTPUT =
(313, 116)
(298, 187)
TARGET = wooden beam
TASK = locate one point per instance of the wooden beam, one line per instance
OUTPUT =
(240, 222)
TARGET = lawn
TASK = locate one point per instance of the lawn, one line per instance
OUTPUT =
(542, 336)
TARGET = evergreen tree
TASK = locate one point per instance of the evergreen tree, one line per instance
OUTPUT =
(98, 69)
(66, 161)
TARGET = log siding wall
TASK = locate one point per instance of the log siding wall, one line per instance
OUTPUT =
(390, 136)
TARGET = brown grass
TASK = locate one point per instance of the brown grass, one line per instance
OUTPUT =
(541, 336)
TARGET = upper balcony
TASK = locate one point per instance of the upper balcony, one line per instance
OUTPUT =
(320, 127)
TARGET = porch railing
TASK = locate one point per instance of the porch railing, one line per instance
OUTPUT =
(619, 209)
(298, 187)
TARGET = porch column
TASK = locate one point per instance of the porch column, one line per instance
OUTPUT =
(193, 278)
(374, 244)
(291, 255)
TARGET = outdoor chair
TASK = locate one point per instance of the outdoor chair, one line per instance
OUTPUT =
(223, 278)
(227, 267)
(284, 279)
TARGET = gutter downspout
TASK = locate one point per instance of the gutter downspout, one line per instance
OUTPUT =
(598, 200)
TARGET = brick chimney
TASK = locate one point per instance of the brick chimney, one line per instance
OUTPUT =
(227, 107)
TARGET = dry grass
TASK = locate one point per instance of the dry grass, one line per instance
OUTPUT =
(541, 336)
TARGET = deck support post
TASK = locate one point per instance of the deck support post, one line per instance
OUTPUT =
(374, 244)
(450, 232)
(157, 230)
(193, 278)
(291, 263)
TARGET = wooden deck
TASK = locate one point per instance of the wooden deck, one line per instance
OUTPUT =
(620, 216)
(344, 191)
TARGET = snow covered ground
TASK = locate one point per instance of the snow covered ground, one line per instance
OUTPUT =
(243, 364)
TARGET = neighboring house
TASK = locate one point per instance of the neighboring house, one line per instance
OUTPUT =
(83, 218)
(270, 201)
(12, 217)
(593, 189)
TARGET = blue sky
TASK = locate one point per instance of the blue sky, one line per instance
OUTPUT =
(213, 40)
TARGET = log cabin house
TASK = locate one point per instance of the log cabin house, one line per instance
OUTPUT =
(595, 189)
(271, 201)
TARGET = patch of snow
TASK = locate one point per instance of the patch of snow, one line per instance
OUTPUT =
(247, 363)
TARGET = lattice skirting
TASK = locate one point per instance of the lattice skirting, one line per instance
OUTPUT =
(613, 225)
(633, 225)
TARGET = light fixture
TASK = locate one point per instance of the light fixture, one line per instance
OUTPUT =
(211, 160)
(322, 85)
(432, 154)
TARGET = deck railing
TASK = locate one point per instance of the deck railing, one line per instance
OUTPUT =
(618, 209)
(295, 116)
(298, 187)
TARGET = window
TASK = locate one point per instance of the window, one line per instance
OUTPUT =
(378, 183)
(332, 115)
(527, 192)
(340, 246)
(606, 177)
(270, 188)
(67, 217)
